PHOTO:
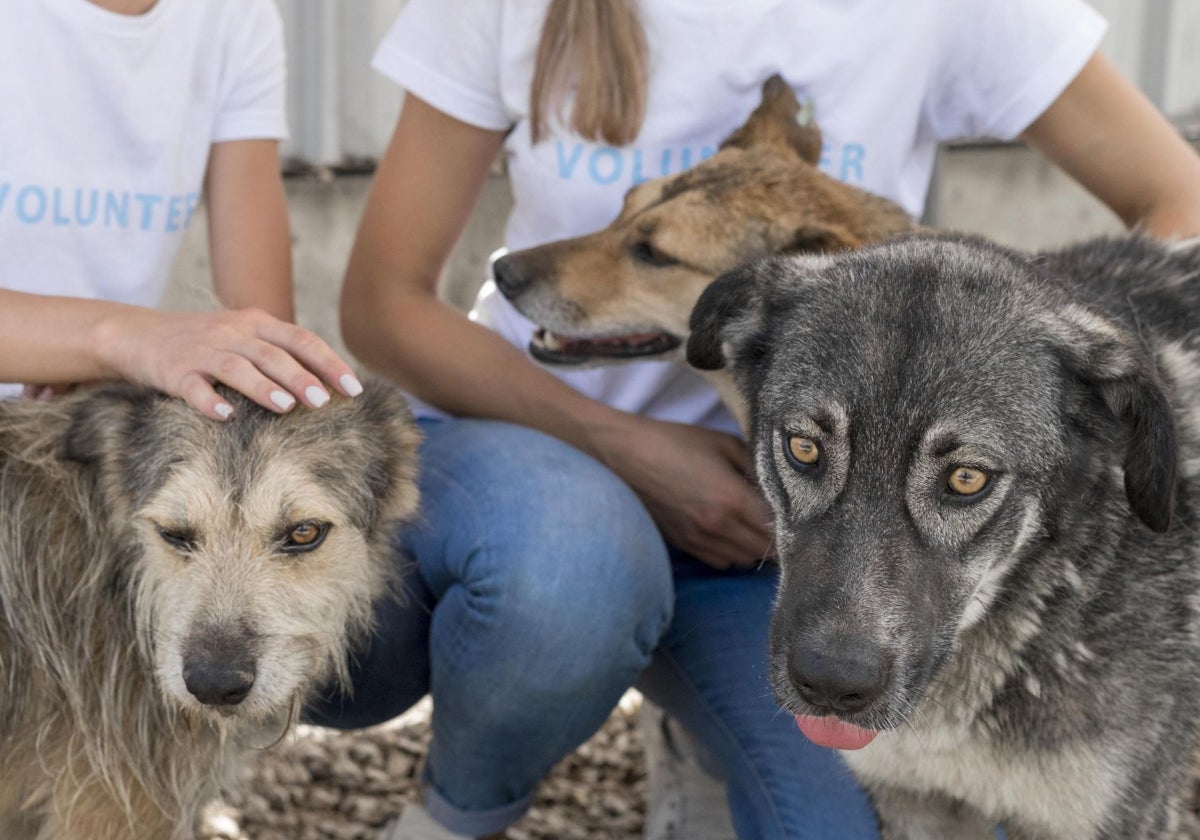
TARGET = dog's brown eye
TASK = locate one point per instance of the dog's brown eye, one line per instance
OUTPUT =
(804, 451)
(305, 536)
(967, 481)
(644, 251)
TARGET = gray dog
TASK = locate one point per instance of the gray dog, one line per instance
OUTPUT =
(984, 469)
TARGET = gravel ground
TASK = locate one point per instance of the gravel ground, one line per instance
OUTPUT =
(326, 785)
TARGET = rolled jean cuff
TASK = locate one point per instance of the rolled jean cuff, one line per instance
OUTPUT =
(474, 823)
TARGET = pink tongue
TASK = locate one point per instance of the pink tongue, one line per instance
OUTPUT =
(834, 733)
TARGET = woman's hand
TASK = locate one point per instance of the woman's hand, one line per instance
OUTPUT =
(696, 484)
(273, 362)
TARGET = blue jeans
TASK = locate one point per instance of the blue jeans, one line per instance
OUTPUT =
(539, 590)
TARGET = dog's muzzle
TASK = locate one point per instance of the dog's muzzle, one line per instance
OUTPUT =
(219, 682)
(835, 683)
(219, 666)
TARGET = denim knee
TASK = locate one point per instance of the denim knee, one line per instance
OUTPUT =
(535, 548)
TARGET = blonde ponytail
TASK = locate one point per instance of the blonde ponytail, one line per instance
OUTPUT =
(597, 50)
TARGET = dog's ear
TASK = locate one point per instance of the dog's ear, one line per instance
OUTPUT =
(732, 297)
(1110, 359)
(778, 120)
(102, 426)
(391, 473)
(820, 239)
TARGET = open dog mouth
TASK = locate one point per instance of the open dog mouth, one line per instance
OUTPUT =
(551, 348)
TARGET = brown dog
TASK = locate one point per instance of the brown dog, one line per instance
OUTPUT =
(626, 292)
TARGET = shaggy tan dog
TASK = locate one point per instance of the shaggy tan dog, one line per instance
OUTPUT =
(171, 589)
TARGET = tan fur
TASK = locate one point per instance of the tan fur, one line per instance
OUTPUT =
(99, 736)
(760, 194)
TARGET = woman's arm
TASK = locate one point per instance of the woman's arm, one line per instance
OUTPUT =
(423, 191)
(693, 480)
(253, 348)
(1104, 133)
(59, 341)
(248, 235)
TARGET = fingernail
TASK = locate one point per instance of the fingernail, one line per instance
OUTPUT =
(224, 410)
(350, 384)
(283, 399)
(316, 396)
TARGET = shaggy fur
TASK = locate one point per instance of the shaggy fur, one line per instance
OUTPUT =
(171, 590)
(984, 469)
(625, 293)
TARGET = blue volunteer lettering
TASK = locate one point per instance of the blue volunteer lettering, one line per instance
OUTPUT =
(849, 167)
(37, 204)
(605, 165)
(23, 212)
(116, 209)
(85, 219)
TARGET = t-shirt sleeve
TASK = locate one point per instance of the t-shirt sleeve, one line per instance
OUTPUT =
(447, 53)
(1001, 63)
(254, 76)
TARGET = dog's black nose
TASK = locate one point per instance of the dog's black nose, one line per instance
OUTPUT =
(846, 681)
(509, 278)
(219, 683)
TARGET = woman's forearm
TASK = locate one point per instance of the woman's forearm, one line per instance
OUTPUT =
(248, 232)
(55, 340)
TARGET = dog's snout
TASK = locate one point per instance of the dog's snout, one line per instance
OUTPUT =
(219, 682)
(220, 664)
(510, 278)
(847, 681)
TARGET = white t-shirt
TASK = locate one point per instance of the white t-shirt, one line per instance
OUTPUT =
(888, 80)
(105, 126)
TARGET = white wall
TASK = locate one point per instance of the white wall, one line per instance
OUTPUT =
(1156, 43)
(340, 111)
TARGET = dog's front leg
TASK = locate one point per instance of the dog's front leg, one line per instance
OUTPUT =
(908, 816)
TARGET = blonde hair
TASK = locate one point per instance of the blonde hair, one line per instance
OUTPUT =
(598, 49)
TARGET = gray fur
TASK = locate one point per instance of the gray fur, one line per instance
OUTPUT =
(102, 620)
(1031, 653)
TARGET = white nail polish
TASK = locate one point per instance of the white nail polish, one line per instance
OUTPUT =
(316, 396)
(224, 410)
(283, 399)
(350, 384)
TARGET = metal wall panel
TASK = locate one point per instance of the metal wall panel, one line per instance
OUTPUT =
(1126, 34)
(1181, 88)
(342, 112)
